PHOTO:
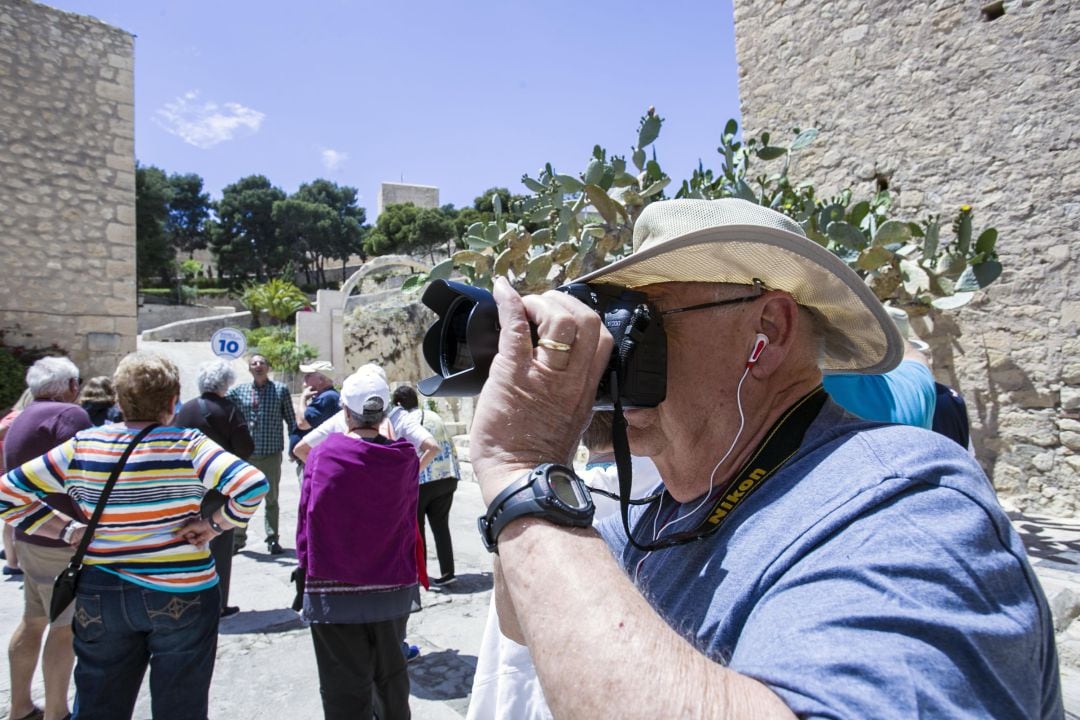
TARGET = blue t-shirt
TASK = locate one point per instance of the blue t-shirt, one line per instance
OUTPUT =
(905, 395)
(874, 575)
(322, 407)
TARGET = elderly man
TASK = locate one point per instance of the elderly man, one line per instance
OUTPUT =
(267, 407)
(320, 403)
(47, 422)
(801, 561)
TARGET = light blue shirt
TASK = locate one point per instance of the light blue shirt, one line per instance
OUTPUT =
(905, 395)
(875, 575)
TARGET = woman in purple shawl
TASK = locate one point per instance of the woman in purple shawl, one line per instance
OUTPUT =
(356, 543)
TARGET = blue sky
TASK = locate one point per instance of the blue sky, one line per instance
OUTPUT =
(463, 96)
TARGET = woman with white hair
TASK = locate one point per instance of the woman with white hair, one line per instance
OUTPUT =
(222, 422)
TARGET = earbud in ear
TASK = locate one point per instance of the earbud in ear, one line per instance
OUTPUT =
(759, 347)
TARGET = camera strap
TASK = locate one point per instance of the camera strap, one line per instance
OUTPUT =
(780, 443)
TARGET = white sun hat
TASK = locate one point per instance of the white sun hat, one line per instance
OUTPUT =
(736, 241)
(903, 324)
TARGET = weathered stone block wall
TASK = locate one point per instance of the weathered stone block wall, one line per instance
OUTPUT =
(67, 184)
(422, 196)
(947, 106)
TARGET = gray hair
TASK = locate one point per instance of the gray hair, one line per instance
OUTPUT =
(215, 376)
(51, 376)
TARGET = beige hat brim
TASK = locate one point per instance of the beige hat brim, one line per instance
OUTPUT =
(858, 333)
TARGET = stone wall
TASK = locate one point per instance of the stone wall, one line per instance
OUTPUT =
(153, 315)
(67, 184)
(422, 196)
(947, 103)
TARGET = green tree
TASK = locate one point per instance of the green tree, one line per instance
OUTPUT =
(245, 238)
(278, 298)
(407, 229)
(393, 230)
(321, 221)
(189, 213)
(345, 236)
(432, 229)
(153, 253)
(305, 228)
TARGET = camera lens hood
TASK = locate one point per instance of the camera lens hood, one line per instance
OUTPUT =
(462, 343)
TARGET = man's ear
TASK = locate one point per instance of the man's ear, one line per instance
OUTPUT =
(778, 321)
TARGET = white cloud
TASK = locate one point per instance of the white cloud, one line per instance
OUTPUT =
(205, 124)
(333, 159)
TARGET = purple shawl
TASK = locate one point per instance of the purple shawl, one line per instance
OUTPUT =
(357, 518)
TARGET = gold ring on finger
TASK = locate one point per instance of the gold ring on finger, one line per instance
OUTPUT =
(553, 345)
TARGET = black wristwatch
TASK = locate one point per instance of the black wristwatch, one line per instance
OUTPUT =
(552, 492)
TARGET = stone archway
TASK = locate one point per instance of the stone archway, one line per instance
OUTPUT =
(324, 328)
(383, 262)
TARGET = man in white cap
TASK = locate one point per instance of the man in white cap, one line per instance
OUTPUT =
(801, 561)
(401, 423)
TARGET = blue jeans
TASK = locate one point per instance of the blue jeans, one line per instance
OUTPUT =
(120, 628)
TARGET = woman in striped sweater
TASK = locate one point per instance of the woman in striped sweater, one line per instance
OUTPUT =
(148, 593)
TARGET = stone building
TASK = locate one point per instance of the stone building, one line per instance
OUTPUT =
(422, 196)
(948, 102)
(67, 184)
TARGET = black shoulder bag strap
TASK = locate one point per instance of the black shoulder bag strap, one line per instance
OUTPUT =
(88, 535)
(66, 584)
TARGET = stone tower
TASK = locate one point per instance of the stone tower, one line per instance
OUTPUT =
(67, 185)
(949, 102)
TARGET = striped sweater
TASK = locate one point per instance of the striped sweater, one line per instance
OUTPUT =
(160, 490)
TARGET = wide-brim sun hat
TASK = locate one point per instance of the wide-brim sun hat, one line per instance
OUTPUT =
(737, 241)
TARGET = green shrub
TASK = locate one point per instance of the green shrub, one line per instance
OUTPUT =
(278, 345)
(12, 379)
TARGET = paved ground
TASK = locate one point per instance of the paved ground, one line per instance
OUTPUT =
(266, 665)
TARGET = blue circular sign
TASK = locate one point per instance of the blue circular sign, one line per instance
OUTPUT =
(229, 342)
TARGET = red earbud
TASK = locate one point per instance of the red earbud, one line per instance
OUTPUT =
(759, 347)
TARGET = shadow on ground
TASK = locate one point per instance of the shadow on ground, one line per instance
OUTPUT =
(1053, 540)
(261, 621)
(445, 676)
(467, 584)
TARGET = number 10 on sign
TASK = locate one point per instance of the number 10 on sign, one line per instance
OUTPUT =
(228, 342)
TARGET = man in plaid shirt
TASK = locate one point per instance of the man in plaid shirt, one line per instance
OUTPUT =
(267, 407)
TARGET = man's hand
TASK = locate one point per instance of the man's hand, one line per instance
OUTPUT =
(537, 400)
(307, 395)
(197, 531)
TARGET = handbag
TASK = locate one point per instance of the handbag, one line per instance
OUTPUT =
(67, 582)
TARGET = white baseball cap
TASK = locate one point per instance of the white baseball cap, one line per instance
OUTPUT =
(365, 394)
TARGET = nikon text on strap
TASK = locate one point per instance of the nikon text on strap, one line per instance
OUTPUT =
(780, 443)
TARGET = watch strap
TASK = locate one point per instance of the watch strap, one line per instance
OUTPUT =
(505, 508)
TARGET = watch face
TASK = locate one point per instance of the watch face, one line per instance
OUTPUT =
(566, 490)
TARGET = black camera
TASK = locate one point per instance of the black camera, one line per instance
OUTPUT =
(461, 344)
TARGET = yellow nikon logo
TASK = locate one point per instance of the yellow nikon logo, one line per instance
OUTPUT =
(732, 498)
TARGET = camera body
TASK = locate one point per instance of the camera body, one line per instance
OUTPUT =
(461, 344)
